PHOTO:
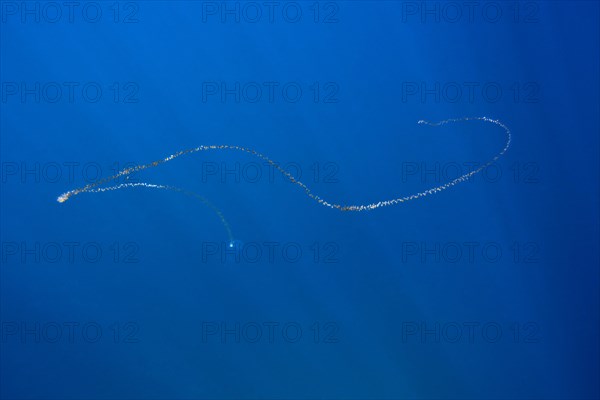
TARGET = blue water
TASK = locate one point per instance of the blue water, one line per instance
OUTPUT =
(487, 290)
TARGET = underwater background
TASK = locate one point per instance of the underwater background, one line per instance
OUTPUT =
(486, 290)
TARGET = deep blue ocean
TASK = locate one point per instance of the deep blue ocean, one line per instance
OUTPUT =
(237, 284)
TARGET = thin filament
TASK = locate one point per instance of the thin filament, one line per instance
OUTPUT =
(92, 187)
(172, 188)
